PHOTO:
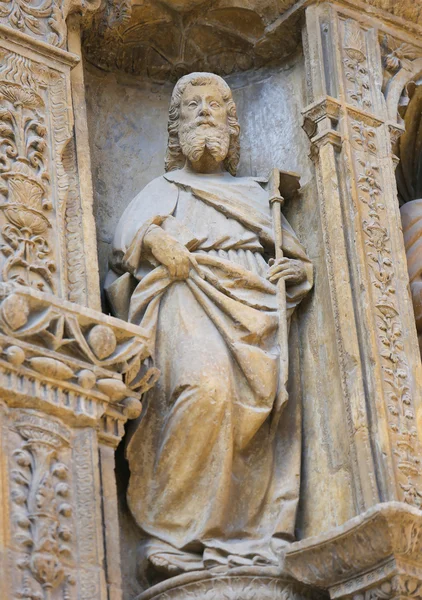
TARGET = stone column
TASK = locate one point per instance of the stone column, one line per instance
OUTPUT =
(352, 123)
(69, 376)
(351, 133)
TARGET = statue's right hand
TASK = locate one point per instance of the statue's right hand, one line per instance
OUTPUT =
(170, 253)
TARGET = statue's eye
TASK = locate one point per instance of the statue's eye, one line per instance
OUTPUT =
(214, 104)
(193, 104)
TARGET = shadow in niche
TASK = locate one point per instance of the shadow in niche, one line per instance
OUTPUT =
(134, 579)
(130, 533)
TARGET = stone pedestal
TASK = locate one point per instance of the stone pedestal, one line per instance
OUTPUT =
(376, 556)
(239, 584)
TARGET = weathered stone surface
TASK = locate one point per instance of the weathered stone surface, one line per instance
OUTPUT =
(243, 584)
(71, 377)
(375, 555)
(220, 335)
(165, 40)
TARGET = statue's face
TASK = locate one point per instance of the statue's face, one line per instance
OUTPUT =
(203, 123)
(203, 105)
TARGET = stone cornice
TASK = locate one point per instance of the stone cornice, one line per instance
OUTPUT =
(39, 46)
(383, 542)
(68, 360)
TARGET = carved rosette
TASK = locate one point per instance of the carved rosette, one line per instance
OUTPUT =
(42, 506)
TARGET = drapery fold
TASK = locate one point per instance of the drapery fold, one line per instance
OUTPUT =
(210, 484)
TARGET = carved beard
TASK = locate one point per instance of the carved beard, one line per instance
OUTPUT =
(195, 138)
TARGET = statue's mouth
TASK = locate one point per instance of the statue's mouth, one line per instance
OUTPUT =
(200, 122)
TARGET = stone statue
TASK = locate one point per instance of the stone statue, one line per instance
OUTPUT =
(210, 484)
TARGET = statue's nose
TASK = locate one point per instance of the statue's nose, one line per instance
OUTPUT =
(205, 111)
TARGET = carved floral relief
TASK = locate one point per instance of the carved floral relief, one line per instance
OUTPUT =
(41, 244)
(42, 507)
(26, 203)
(402, 419)
(355, 65)
(43, 19)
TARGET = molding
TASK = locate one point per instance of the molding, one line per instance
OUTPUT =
(70, 360)
(42, 48)
(383, 542)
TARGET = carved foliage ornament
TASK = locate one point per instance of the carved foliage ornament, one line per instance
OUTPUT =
(42, 506)
(245, 587)
(399, 58)
(39, 187)
(24, 177)
(402, 420)
(397, 587)
(43, 19)
(356, 65)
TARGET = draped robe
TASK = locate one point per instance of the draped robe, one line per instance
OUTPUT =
(209, 484)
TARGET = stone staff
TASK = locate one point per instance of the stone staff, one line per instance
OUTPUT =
(289, 183)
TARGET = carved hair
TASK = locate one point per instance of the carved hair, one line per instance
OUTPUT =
(174, 155)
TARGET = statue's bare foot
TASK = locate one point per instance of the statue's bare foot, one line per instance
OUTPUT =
(164, 565)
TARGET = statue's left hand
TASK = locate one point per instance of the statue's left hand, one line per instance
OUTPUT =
(290, 269)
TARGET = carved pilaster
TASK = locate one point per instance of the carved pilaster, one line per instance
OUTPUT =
(374, 318)
(69, 380)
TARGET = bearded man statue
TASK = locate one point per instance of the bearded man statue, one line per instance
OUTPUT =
(210, 483)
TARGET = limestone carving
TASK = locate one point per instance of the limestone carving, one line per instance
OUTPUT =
(44, 20)
(39, 186)
(411, 214)
(43, 512)
(245, 584)
(220, 448)
(25, 178)
(373, 556)
(355, 63)
(402, 62)
(165, 40)
(398, 587)
(402, 419)
(409, 184)
(67, 345)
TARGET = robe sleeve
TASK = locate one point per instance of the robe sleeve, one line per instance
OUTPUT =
(151, 206)
(292, 248)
